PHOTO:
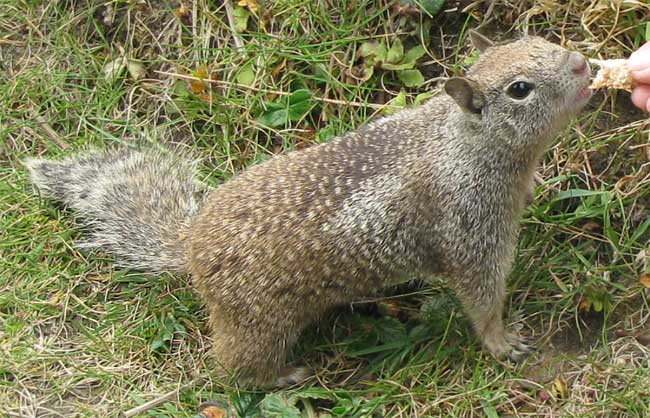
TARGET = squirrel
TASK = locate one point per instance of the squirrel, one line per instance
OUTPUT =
(433, 191)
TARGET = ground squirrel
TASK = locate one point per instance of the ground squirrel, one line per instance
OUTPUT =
(437, 190)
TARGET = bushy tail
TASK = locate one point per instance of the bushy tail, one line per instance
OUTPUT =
(138, 204)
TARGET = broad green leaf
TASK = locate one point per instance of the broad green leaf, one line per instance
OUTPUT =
(490, 410)
(422, 97)
(246, 75)
(299, 104)
(298, 110)
(411, 78)
(368, 71)
(157, 344)
(300, 96)
(274, 118)
(398, 101)
(311, 393)
(286, 109)
(240, 17)
(414, 54)
(471, 59)
(271, 106)
(368, 48)
(246, 403)
(597, 305)
(275, 405)
(398, 67)
(396, 52)
(180, 89)
(390, 329)
(328, 133)
(373, 49)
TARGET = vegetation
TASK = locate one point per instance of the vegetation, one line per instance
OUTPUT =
(233, 83)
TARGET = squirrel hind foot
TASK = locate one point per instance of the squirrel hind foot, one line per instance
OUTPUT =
(292, 376)
(519, 348)
(508, 345)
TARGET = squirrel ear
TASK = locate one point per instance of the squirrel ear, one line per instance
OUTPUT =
(479, 41)
(466, 93)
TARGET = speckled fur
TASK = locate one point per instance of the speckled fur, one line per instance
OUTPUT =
(432, 191)
(137, 204)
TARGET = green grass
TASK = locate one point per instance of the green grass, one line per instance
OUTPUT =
(79, 337)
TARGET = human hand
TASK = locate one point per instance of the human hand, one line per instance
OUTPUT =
(639, 66)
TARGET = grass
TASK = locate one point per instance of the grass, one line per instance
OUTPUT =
(82, 338)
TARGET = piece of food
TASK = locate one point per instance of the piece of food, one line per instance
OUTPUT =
(612, 74)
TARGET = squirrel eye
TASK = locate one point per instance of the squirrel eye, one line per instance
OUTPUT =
(519, 89)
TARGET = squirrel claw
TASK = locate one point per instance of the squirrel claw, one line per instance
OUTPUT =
(520, 349)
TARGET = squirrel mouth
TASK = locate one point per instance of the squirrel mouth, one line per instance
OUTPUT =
(584, 94)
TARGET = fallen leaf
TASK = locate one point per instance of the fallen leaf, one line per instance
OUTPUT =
(591, 226)
(206, 97)
(559, 388)
(135, 69)
(624, 181)
(202, 71)
(252, 5)
(278, 68)
(584, 304)
(390, 308)
(643, 260)
(595, 298)
(55, 300)
(200, 86)
(212, 411)
(182, 11)
(644, 279)
(114, 69)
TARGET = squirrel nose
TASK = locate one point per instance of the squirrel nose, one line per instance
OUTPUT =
(577, 63)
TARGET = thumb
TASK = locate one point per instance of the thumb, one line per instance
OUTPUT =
(640, 59)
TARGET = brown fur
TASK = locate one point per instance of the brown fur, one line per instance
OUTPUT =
(432, 191)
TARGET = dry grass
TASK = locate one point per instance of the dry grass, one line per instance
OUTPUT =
(80, 338)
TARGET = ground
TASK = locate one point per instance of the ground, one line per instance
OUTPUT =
(80, 337)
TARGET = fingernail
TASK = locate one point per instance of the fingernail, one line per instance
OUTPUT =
(639, 60)
(643, 76)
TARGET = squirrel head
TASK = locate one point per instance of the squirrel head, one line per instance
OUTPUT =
(522, 92)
